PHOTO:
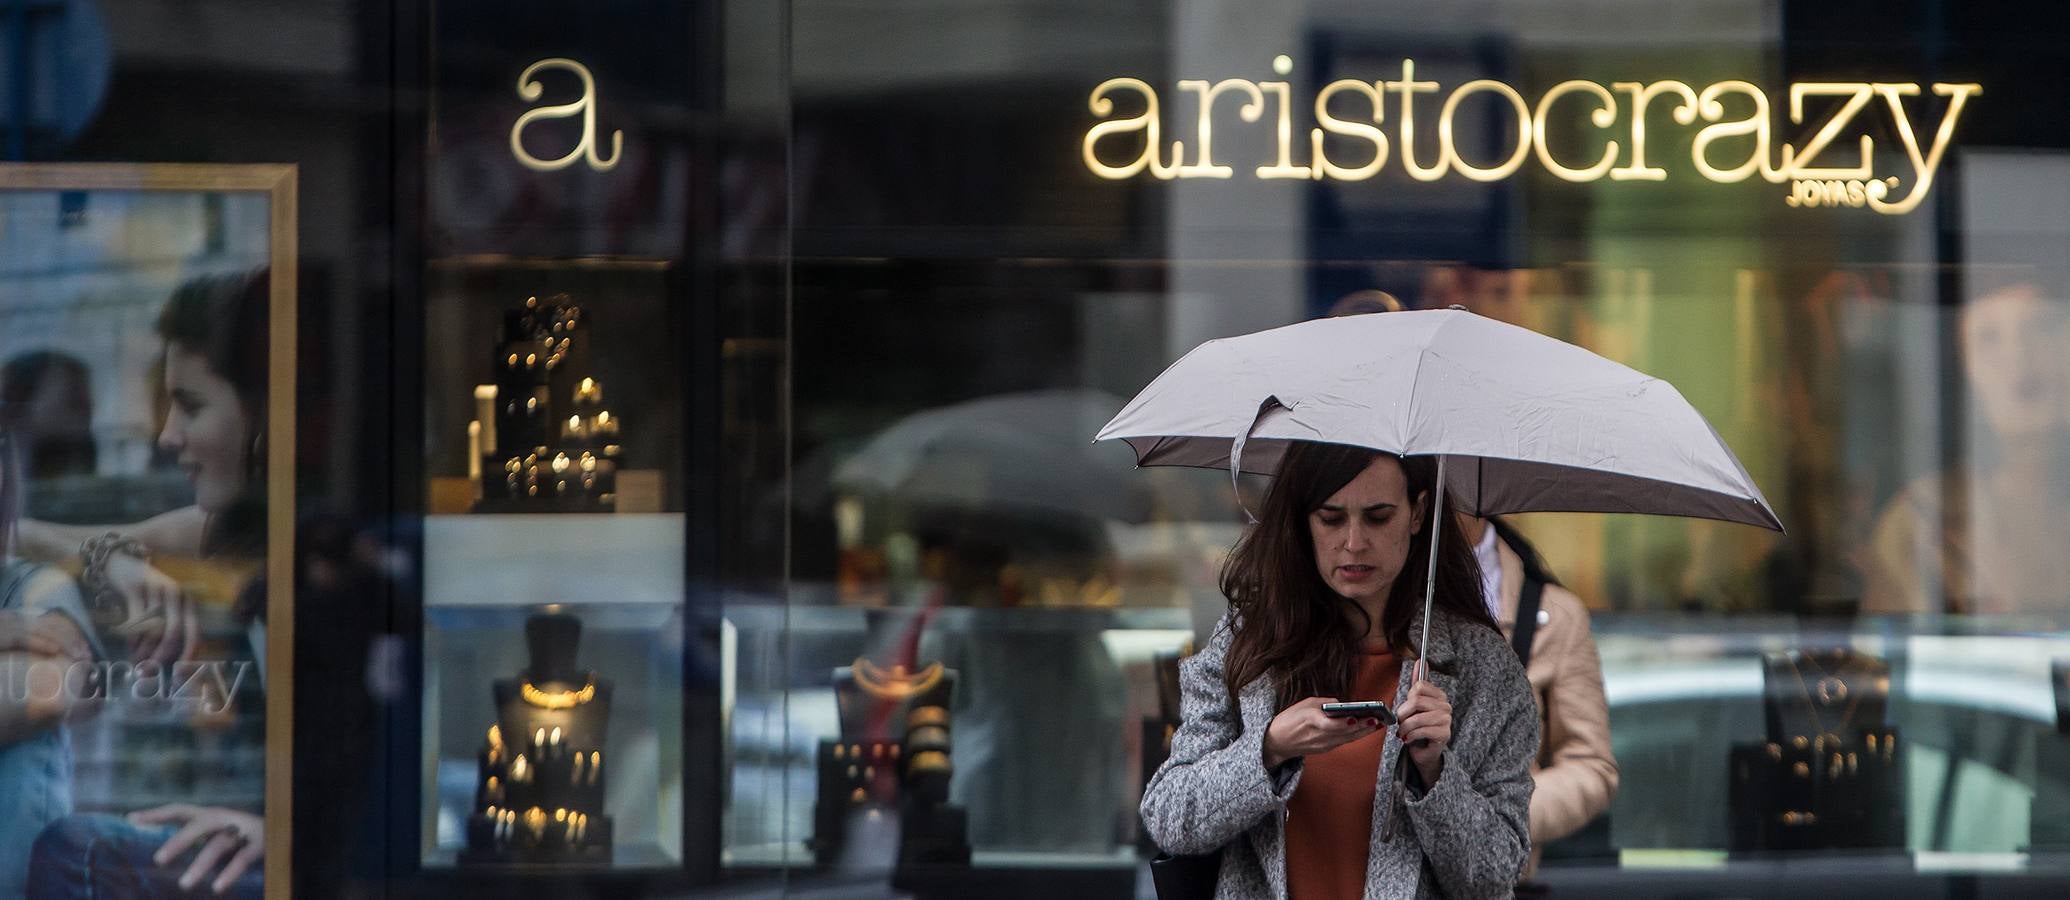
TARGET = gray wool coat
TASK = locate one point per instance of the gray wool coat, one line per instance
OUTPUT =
(1467, 836)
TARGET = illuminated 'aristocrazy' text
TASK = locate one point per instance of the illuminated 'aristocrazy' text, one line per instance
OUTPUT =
(1730, 147)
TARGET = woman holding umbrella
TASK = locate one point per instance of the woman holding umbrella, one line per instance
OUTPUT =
(1324, 604)
(1258, 772)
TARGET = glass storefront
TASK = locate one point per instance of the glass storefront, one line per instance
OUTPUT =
(644, 449)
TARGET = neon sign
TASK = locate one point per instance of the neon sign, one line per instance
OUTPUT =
(1823, 172)
(529, 89)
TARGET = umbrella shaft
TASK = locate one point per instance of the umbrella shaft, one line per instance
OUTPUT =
(1437, 509)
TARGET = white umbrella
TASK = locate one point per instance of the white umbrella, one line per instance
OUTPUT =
(1519, 422)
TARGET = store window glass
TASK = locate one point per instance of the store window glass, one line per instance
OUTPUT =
(1833, 236)
(558, 341)
(645, 449)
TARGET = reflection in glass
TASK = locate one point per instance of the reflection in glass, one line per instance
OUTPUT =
(1982, 538)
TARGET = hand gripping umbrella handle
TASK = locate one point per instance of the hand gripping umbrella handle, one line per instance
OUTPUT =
(1437, 509)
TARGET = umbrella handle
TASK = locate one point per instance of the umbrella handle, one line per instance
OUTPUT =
(1437, 509)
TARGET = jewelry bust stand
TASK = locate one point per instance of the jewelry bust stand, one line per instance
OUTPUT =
(546, 442)
(892, 759)
(1831, 773)
(543, 769)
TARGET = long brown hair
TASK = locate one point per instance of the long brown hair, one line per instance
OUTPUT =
(224, 318)
(1294, 627)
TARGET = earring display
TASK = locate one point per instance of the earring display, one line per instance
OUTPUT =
(548, 444)
(546, 804)
(1831, 774)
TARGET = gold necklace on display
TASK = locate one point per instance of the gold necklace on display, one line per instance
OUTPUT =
(558, 699)
(1831, 689)
(895, 684)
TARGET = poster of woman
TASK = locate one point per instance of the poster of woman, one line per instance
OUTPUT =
(146, 483)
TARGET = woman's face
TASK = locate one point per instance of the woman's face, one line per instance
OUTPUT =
(2011, 351)
(1361, 533)
(205, 428)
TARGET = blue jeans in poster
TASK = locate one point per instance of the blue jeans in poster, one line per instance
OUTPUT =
(35, 790)
(82, 857)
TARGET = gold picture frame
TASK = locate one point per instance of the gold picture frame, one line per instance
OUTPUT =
(277, 184)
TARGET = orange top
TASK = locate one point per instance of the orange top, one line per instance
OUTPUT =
(1330, 818)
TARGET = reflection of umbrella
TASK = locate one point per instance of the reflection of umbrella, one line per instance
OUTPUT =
(1526, 422)
(1010, 452)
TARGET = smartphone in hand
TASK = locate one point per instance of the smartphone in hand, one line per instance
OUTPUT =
(1360, 709)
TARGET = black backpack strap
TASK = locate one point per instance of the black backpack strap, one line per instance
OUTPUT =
(1527, 618)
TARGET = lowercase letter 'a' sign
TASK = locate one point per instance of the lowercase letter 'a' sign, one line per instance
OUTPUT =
(530, 89)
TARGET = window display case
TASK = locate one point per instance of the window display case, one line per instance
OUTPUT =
(564, 663)
(554, 573)
(559, 391)
(565, 667)
(560, 694)
(945, 748)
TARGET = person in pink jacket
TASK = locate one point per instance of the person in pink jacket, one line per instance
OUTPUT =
(1575, 772)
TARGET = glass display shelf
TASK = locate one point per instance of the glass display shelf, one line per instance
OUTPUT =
(571, 558)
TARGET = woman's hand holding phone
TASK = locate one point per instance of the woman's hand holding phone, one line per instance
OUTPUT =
(1303, 729)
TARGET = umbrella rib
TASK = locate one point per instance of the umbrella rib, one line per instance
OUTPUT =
(1415, 381)
(1401, 427)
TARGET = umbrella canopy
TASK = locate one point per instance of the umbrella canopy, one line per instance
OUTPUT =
(1010, 452)
(1523, 422)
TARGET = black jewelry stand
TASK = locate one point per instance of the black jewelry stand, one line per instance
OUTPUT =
(894, 757)
(543, 773)
(1831, 773)
(555, 448)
